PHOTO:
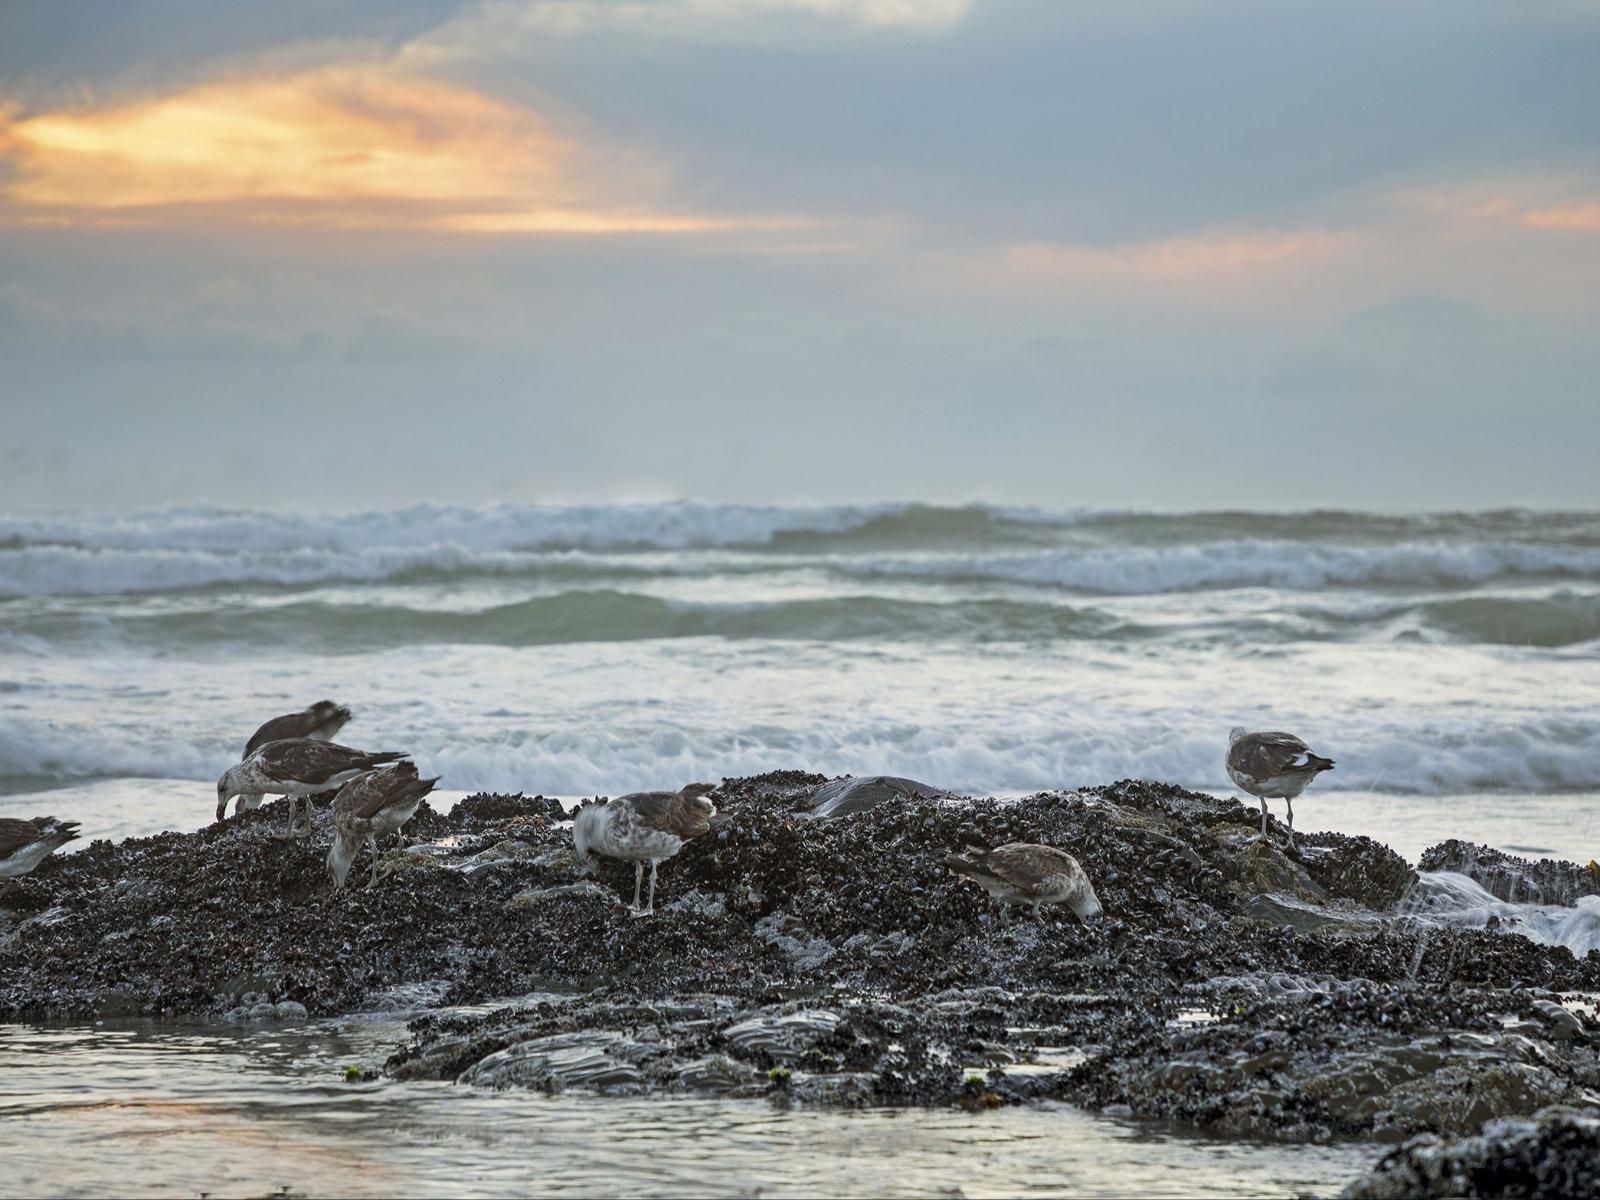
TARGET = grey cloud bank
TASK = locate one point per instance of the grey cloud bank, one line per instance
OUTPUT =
(1049, 253)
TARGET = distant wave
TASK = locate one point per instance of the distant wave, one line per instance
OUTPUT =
(682, 526)
(34, 570)
(484, 530)
(1209, 566)
(576, 616)
(1565, 618)
(1555, 620)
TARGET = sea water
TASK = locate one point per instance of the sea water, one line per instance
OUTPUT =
(142, 1109)
(1450, 663)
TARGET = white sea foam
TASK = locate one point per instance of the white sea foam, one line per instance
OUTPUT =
(968, 751)
(1449, 898)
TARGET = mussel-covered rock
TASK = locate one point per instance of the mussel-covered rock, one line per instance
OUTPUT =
(1553, 1156)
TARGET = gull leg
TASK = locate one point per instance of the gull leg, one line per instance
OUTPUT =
(650, 907)
(294, 804)
(1263, 818)
(372, 843)
(1290, 805)
(638, 878)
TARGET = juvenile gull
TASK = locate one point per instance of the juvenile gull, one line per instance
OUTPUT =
(296, 767)
(321, 721)
(642, 827)
(368, 806)
(1027, 873)
(1272, 766)
(24, 844)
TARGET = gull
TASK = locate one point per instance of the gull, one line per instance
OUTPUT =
(368, 806)
(321, 721)
(642, 827)
(1272, 766)
(296, 767)
(1028, 873)
(24, 844)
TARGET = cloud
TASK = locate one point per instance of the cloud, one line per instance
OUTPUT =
(346, 145)
(1208, 255)
(1245, 267)
(494, 27)
(1575, 218)
(1564, 203)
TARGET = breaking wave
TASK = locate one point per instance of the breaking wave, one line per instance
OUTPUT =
(971, 751)
(1095, 553)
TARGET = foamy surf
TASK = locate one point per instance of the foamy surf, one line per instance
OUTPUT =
(606, 648)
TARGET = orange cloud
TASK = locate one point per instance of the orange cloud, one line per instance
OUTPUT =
(1240, 269)
(1240, 264)
(1190, 257)
(1533, 202)
(1576, 218)
(362, 145)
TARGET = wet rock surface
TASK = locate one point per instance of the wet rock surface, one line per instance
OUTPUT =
(1554, 1156)
(1233, 985)
(858, 793)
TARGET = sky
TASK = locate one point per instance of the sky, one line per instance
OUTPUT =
(1171, 254)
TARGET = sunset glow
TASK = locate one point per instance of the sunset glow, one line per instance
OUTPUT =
(343, 146)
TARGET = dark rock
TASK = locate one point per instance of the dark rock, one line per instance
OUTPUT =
(1359, 869)
(494, 806)
(1282, 910)
(1554, 1156)
(841, 797)
(771, 915)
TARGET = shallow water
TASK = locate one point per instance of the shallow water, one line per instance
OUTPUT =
(142, 1109)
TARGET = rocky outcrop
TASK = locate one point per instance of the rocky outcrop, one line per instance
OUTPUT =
(1554, 1156)
(1231, 985)
(1519, 880)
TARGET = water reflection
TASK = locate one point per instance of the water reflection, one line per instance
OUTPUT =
(147, 1109)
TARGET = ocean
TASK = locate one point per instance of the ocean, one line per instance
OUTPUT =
(1449, 662)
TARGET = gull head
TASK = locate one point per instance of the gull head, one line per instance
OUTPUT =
(340, 855)
(226, 790)
(1085, 904)
(585, 832)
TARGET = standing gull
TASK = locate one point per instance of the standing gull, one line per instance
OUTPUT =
(296, 767)
(376, 803)
(642, 827)
(24, 844)
(1027, 873)
(1272, 766)
(321, 721)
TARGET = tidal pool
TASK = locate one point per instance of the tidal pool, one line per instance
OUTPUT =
(159, 1109)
